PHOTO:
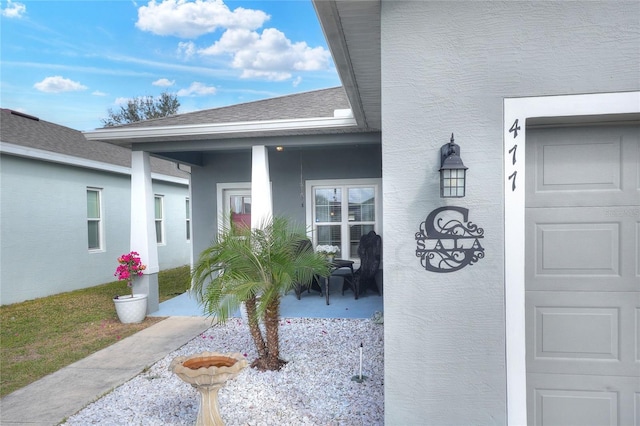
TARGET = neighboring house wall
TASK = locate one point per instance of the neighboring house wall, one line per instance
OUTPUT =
(447, 67)
(43, 223)
(176, 249)
(289, 171)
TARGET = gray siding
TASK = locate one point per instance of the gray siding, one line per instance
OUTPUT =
(447, 67)
(43, 223)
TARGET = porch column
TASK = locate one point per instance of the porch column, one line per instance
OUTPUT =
(261, 204)
(143, 230)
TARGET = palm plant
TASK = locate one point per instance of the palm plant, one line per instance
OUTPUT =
(255, 267)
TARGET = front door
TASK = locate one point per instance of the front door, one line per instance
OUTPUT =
(582, 285)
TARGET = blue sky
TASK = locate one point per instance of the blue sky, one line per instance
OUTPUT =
(68, 62)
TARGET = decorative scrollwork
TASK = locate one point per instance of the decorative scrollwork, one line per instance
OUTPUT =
(446, 244)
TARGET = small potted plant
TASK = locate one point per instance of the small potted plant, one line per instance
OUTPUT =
(131, 309)
(329, 251)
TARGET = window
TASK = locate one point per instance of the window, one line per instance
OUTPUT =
(159, 214)
(342, 212)
(94, 219)
(188, 216)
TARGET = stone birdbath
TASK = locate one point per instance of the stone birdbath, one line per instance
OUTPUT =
(208, 372)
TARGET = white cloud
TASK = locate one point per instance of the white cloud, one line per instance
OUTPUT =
(58, 84)
(197, 89)
(163, 82)
(99, 93)
(265, 75)
(14, 10)
(186, 49)
(191, 19)
(121, 101)
(269, 55)
(297, 81)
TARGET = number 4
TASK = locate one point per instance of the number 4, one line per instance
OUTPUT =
(514, 129)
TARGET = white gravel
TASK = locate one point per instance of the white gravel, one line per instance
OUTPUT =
(315, 387)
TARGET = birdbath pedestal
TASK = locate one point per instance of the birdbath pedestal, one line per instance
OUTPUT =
(208, 372)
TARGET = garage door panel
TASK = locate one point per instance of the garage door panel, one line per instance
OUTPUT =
(579, 164)
(582, 401)
(637, 248)
(577, 248)
(587, 333)
(583, 166)
(593, 333)
(638, 337)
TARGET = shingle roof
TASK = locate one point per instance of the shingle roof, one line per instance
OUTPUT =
(314, 104)
(27, 131)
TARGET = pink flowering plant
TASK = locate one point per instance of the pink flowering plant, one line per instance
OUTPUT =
(129, 267)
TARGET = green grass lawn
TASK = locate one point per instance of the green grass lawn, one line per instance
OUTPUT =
(38, 337)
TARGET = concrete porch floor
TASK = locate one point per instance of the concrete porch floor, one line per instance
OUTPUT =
(310, 305)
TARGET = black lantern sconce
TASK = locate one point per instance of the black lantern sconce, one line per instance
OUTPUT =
(453, 173)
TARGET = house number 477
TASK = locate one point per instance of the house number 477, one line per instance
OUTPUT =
(512, 177)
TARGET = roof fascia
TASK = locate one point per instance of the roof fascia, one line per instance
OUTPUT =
(245, 143)
(143, 134)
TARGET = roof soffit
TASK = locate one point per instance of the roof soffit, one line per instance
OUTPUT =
(352, 30)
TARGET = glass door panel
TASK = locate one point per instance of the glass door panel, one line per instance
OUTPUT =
(329, 235)
(328, 205)
(362, 203)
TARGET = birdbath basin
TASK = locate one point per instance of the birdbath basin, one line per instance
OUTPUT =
(208, 372)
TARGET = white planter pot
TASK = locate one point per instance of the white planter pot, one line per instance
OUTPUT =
(131, 309)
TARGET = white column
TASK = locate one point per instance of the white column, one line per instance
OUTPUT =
(261, 203)
(143, 231)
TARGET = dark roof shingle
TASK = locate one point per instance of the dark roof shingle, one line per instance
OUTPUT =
(314, 104)
(27, 131)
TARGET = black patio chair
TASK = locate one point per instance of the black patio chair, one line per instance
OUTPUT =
(370, 252)
(299, 287)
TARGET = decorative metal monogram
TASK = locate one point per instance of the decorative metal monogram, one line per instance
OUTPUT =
(447, 242)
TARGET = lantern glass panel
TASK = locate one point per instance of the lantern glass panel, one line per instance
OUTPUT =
(452, 183)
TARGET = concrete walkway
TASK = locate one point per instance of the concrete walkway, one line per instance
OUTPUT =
(57, 396)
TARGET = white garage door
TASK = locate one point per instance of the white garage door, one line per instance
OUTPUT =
(583, 275)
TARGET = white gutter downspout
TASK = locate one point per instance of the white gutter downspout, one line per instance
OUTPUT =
(261, 202)
(143, 230)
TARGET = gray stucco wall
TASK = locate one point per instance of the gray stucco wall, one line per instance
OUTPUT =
(287, 170)
(446, 67)
(176, 250)
(43, 227)
(217, 168)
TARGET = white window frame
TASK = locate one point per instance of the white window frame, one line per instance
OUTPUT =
(604, 105)
(345, 184)
(187, 202)
(162, 240)
(99, 219)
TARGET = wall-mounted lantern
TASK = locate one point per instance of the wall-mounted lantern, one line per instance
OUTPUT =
(452, 171)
